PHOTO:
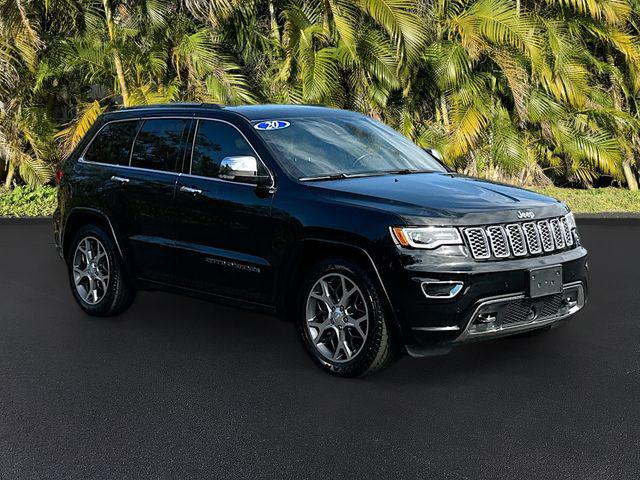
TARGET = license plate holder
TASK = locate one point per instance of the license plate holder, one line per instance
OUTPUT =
(544, 281)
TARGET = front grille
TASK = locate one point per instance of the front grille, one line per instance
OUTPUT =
(519, 239)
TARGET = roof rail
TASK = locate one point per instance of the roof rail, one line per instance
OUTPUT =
(173, 105)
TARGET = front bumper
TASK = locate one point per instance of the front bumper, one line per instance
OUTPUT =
(494, 288)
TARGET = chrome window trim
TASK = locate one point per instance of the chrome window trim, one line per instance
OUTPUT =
(81, 159)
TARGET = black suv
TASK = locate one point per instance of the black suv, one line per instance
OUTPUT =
(323, 216)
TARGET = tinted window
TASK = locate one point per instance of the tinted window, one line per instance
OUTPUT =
(159, 144)
(113, 143)
(214, 141)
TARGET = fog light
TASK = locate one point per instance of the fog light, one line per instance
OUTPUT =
(441, 290)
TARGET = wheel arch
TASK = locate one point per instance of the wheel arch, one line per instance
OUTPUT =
(312, 250)
(80, 216)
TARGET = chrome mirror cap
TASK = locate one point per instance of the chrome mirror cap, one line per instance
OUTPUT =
(238, 167)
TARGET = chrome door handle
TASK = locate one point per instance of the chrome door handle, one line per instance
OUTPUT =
(119, 179)
(193, 191)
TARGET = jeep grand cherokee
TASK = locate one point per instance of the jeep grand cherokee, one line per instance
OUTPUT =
(328, 217)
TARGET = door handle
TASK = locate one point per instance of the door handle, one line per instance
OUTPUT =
(193, 191)
(119, 179)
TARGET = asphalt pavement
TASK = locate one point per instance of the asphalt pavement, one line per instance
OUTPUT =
(182, 388)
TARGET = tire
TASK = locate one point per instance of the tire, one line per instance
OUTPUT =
(113, 292)
(320, 330)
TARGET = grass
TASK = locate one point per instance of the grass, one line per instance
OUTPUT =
(40, 202)
(596, 200)
(28, 202)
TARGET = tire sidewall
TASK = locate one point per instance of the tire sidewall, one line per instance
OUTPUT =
(360, 364)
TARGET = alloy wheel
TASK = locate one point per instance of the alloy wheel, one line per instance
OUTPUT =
(91, 270)
(337, 317)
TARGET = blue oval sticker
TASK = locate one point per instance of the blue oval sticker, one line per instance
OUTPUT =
(271, 125)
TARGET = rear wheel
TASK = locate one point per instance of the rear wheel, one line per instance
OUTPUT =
(343, 321)
(96, 275)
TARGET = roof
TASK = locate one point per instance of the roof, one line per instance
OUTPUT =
(270, 112)
(252, 112)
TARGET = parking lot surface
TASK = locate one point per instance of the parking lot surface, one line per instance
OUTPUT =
(182, 388)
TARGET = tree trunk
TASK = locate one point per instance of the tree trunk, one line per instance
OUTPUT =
(630, 177)
(9, 180)
(445, 112)
(116, 54)
(121, 79)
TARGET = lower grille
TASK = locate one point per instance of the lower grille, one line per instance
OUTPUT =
(520, 311)
(503, 316)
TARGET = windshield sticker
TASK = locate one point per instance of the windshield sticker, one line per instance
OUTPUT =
(271, 125)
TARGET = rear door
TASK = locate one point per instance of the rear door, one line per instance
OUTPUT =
(145, 203)
(224, 228)
(106, 156)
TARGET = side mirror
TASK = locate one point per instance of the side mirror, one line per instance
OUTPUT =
(238, 168)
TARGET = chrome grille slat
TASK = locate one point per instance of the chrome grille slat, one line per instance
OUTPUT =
(533, 238)
(568, 236)
(556, 230)
(477, 239)
(545, 236)
(519, 239)
(498, 240)
(516, 239)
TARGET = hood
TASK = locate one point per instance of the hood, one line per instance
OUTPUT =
(425, 197)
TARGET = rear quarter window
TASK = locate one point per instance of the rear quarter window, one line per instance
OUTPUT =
(112, 144)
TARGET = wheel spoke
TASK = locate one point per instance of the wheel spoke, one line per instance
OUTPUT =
(90, 270)
(321, 327)
(332, 305)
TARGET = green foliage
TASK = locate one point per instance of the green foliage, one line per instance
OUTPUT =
(596, 200)
(530, 92)
(28, 202)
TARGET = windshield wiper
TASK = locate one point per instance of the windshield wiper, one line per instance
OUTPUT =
(338, 176)
(407, 171)
(334, 176)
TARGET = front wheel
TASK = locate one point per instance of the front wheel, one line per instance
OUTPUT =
(96, 275)
(342, 320)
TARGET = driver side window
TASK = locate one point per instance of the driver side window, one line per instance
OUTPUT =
(213, 142)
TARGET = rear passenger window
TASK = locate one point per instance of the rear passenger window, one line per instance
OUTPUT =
(159, 144)
(113, 143)
(214, 141)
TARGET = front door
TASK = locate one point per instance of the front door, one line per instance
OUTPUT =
(224, 227)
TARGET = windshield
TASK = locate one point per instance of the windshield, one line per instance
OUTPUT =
(315, 148)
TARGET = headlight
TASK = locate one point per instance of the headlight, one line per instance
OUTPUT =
(571, 220)
(426, 237)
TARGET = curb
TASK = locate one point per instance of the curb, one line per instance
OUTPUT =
(25, 220)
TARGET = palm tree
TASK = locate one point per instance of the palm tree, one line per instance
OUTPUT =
(517, 90)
